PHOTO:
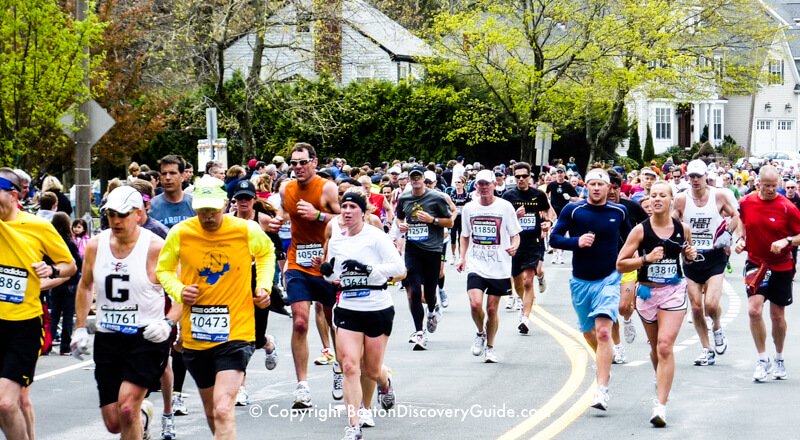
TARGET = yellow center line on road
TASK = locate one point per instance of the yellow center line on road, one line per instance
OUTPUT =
(576, 351)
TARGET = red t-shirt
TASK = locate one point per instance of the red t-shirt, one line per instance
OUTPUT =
(376, 200)
(767, 221)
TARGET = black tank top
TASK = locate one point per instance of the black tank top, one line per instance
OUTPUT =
(668, 269)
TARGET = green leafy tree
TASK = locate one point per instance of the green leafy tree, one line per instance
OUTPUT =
(634, 145)
(42, 72)
(649, 150)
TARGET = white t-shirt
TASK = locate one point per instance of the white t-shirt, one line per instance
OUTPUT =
(490, 229)
(458, 171)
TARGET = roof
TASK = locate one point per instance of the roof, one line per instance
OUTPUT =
(387, 33)
(789, 11)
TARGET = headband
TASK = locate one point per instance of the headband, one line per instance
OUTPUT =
(8, 185)
(597, 175)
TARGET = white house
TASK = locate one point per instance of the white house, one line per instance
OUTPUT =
(373, 46)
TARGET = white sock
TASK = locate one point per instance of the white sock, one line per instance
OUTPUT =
(778, 356)
(763, 357)
(303, 383)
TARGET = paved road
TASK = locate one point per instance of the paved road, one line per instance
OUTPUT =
(540, 388)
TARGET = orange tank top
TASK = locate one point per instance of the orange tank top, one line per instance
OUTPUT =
(308, 236)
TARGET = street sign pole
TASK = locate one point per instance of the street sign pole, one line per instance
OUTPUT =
(83, 155)
(211, 128)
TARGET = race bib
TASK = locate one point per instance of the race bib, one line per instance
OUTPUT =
(485, 231)
(662, 273)
(528, 222)
(120, 319)
(703, 242)
(305, 252)
(13, 284)
(285, 232)
(417, 232)
(211, 323)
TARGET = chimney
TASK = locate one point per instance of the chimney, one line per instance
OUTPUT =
(328, 37)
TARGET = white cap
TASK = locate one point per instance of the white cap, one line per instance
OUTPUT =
(395, 170)
(697, 167)
(124, 199)
(597, 174)
(485, 175)
(648, 170)
(430, 175)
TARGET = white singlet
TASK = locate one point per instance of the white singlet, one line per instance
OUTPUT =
(704, 220)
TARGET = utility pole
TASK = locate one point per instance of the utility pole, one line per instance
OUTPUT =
(83, 153)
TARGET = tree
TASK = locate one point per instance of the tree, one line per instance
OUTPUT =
(634, 145)
(649, 150)
(42, 72)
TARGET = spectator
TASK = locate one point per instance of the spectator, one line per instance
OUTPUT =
(48, 205)
(51, 183)
(62, 297)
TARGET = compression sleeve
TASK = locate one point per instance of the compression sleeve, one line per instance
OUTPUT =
(558, 239)
(167, 269)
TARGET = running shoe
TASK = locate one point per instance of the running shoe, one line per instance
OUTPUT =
(524, 325)
(352, 433)
(338, 382)
(706, 358)
(167, 427)
(720, 342)
(763, 368)
(489, 356)
(147, 415)
(478, 344)
(601, 398)
(420, 341)
(517, 303)
(242, 398)
(542, 284)
(443, 297)
(659, 417)
(271, 361)
(386, 397)
(728, 267)
(178, 406)
(413, 338)
(510, 303)
(779, 370)
(434, 318)
(302, 397)
(630, 330)
(619, 355)
(326, 358)
(365, 419)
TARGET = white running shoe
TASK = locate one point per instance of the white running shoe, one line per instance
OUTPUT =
(147, 416)
(517, 303)
(365, 418)
(302, 397)
(434, 318)
(779, 370)
(720, 342)
(524, 325)
(489, 356)
(619, 355)
(542, 284)
(242, 398)
(420, 341)
(413, 338)
(659, 417)
(478, 344)
(387, 398)
(443, 297)
(178, 406)
(763, 369)
(338, 382)
(707, 357)
(352, 433)
(271, 361)
(601, 398)
(167, 427)
(630, 330)
(510, 303)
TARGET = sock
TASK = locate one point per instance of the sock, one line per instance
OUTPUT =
(778, 356)
(303, 383)
(763, 357)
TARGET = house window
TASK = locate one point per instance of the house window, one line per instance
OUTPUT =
(303, 21)
(363, 72)
(663, 123)
(402, 71)
(785, 125)
(763, 124)
(717, 122)
(776, 72)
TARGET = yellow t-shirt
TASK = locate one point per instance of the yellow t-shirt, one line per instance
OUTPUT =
(25, 241)
(220, 264)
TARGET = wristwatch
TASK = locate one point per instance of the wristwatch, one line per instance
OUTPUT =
(56, 273)
(436, 221)
(321, 216)
(789, 239)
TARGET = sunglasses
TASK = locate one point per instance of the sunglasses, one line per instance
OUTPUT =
(115, 214)
(522, 176)
(243, 198)
(301, 162)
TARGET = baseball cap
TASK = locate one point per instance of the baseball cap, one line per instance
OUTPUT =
(209, 193)
(484, 175)
(648, 170)
(252, 164)
(430, 175)
(416, 170)
(499, 172)
(278, 159)
(468, 167)
(696, 167)
(403, 175)
(561, 168)
(394, 170)
(325, 173)
(124, 199)
(460, 158)
(244, 188)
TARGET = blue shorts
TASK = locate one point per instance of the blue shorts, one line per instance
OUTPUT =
(301, 286)
(591, 299)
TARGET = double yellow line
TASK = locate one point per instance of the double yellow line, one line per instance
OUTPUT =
(579, 354)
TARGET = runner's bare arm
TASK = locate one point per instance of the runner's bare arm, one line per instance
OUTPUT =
(627, 260)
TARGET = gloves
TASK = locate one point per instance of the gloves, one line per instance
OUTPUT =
(80, 343)
(723, 240)
(355, 266)
(326, 269)
(643, 292)
(158, 331)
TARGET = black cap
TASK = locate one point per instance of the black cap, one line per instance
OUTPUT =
(416, 169)
(354, 197)
(460, 159)
(244, 187)
(499, 172)
(325, 173)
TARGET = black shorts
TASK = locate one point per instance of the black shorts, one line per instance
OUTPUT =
(127, 358)
(373, 323)
(713, 264)
(20, 346)
(204, 365)
(422, 267)
(301, 286)
(489, 286)
(776, 287)
(455, 231)
(527, 258)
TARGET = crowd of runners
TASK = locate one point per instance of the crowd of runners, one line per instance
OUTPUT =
(185, 272)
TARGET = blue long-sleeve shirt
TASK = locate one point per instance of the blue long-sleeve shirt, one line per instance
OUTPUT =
(606, 221)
